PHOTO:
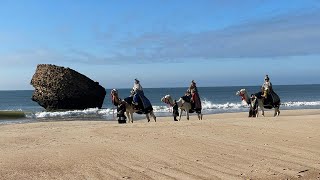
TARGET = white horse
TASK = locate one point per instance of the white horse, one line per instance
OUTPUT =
(182, 104)
(129, 107)
(245, 97)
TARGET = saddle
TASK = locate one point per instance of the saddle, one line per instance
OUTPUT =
(270, 101)
(186, 98)
(141, 103)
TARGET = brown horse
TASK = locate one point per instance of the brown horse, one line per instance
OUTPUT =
(129, 107)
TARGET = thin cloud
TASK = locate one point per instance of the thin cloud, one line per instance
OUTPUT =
(292, 35)
(281, 36)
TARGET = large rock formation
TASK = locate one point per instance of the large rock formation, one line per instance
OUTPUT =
(63, 88)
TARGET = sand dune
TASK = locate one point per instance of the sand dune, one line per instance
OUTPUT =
(222, 146)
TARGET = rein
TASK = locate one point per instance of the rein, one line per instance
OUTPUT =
(114, 99)
(167, 102)
(244, 98)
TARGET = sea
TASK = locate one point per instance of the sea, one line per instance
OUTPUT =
(214, 100)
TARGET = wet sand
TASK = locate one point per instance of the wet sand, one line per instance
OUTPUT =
(222, 146)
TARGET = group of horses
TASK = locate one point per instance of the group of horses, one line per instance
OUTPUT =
(183, 105)
(186, 107)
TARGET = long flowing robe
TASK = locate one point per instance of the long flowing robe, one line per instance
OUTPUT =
(143, 102)
(197, 101)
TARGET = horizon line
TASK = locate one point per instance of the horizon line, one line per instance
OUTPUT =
(182, 87)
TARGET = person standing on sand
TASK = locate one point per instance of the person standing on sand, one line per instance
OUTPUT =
(175, 111)
(253, 112)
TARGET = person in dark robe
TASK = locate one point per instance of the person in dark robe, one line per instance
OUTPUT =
(175, 111)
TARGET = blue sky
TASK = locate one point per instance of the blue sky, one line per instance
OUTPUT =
(164, 43)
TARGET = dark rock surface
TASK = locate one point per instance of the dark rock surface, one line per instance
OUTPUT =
(63, 88)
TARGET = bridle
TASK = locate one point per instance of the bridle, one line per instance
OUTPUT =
(243, 97)
(167, 101)
(114, 96)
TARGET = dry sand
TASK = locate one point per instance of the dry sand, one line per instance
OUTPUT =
(222, 146)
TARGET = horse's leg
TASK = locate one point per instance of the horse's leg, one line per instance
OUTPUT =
(128, 116)
(147, 115)
(181, 110)
(131, 116)
(199, 116)
(153, 116)
(262, 110)
(261, 107)
(187, 112)
(113, 114)
(276, 111)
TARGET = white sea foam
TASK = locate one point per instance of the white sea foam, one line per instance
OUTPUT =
(210, 106)
(207, 107)
(301, 104)
(91, 112)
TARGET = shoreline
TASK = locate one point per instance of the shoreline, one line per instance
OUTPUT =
(20, 116)
(221, 146)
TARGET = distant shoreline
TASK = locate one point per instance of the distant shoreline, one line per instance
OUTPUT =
(187, 87)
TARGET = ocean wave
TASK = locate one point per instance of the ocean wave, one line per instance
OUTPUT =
(91, 112)
(210, 106)
(207, 107)
(301, 103)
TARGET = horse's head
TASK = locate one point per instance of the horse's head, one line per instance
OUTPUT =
(115, 96)
(240, 92)
(114, 92)
(167, 99)
(243, 94)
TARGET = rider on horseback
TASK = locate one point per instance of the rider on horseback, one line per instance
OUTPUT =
(136, 89)
(137, 86)
(193, 86)
(140, 102)
(195, 98)
(266, 87)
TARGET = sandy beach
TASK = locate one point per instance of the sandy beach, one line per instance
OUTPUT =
(222, 146)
